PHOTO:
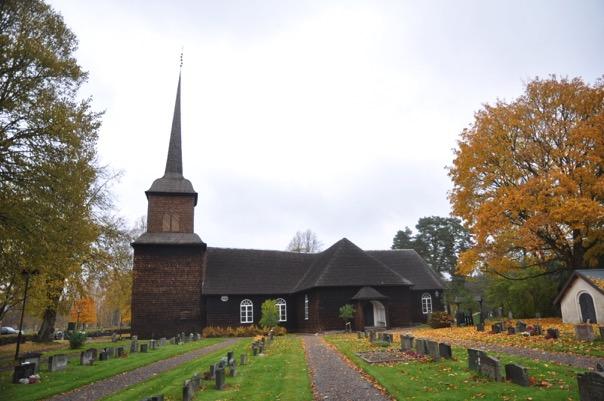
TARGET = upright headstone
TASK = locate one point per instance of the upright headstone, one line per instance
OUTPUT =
(359, 334)
(88, 357)
(480, 327)
(196, 380)
(230, 357)
(213, 371)
(584, 332)
(152, 345)
(511, 330)
(103, 356)
(31, 357)
(120, 352)
(591, 386)
(406, 342)
(473, 359)
(110, 352)
(133, 346)
(433, 350)
(159, 397)
(233, 369)
(490, 367)
(445, 351)
(220, 379)
(23, 371)
(520, 326)
(372, 336)
(114, 338)
(496, 328)
(57, 362)
(144, 347)
(243, 360)
(553, 333)
(537, 330)
(162, 341)
(420, 347)
(187, 391)
(517, 374)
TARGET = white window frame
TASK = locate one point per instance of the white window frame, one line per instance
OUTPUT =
(246, 311)
(281, 309)
(426, 303)
(306, 307)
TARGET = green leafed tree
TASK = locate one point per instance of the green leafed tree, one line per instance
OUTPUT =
(52, 193)
(269, 314)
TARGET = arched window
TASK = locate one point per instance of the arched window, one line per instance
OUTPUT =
(282, 309)
(426, 303)
(305, 307)
(247, 311)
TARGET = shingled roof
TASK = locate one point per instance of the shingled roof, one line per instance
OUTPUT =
(173, 181)
(251, 271)
(593, 277)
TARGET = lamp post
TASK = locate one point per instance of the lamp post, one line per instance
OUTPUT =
(27, 275)
(480, 301)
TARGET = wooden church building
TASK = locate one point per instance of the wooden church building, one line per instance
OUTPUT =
(181, 284)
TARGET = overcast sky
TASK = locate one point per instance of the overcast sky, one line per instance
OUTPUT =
(338, 116)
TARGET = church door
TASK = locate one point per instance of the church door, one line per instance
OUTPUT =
(588, 311)
(379, 314)
(368, 314)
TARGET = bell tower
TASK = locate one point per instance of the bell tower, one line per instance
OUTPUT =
(168, 257)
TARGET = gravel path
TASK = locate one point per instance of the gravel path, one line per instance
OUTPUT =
(103, 388)
(333, 379)
(578, 361)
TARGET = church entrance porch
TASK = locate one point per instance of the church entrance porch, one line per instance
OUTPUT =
(370, 309)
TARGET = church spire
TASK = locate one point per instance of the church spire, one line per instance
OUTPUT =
(174, 161)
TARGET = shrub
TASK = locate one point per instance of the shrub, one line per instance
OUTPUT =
(437, 320)
(270, 315)
(76, 340)
(241, 331)
(346, 313)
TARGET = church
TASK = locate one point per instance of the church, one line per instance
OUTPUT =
(182, 285)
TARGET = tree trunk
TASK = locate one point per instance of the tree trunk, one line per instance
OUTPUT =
(47, 329)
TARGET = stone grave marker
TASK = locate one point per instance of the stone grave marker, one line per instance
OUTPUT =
(103, 356)
(159, 397)
(233, 369)
(407, 342)
(162, 341)
(23, 371)
(445, 351)
(359, 335)
(520, 326)
(537, 330)
(196, 380)
(254, 350)
(57, 362)
(230, 357)
(152, 345)
(110, 352)
(187, 391)
(31, 357)
(553, 333)
(496, 328)
(517, 374)
(433, 350)
(133, 346)
(213, 371)
(243, 359)
(144, 347)
(60, 336)
(490, 367)
(480, 327)
(372, 336)
(420, 347)
(120, 352)
(473, 359)
(591, 386)
(88, 357)
(601, 329)
(220, 379)
(511, 330)
(599, 367)
(584, 332)
(114, 338)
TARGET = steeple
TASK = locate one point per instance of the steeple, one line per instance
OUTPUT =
(173, 181)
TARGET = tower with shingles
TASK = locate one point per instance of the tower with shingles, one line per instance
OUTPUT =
(169, 256)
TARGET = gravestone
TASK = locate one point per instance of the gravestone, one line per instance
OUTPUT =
(88, 357)
(60, 336)
(233, 369)
(187, 391)
(388, 338)
(445, 351)
(372, 336)
(230, 357)
(120, 352)
(254, 350)
(599, 367)
(31, 357)
(496, 328)
(133, 346)
(584, 332)
(601, 329)
(162, 341)
(480, 327)
(552, 333)
(23, 371)
(420, 347)
(406, 342)
(103, 356)
(243, 359)
(159, 397)
(220, 379)
(173, 340)
(152, 344)
(511, 330)
(359, 334)
(433, 350)
(537, 330)
(520, 326)
(57, 362)
(196, 380)
(213, 371)
(517, 374)
(110, 352)
(490, 367)
(197, 336)
(134, 338)
(114, 338)
(144, 347)
(591, 386)
(473, 359)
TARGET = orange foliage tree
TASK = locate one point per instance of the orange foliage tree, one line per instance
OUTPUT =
(83, 311)
(529, 179)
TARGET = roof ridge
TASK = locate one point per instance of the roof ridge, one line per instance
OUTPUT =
(330, 260)
(310, 268)
(387, 267)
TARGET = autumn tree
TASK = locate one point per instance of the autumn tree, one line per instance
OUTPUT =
(529, 180)
(83, 311)
(305, 242)
(52, 193)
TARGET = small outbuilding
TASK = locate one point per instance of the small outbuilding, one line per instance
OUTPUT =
(582, 297)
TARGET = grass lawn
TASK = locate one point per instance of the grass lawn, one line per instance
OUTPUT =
(281, 374)
(76, 375)
(452, 380)
(566, 342)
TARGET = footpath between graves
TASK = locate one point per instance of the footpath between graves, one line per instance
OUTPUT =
(106, 387)
(575, 360)
(333, 379)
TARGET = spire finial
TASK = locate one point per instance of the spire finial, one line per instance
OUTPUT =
(174, 162)
(182, 51)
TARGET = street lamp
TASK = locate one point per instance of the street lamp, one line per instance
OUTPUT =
(26, 274)
(480, 301)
